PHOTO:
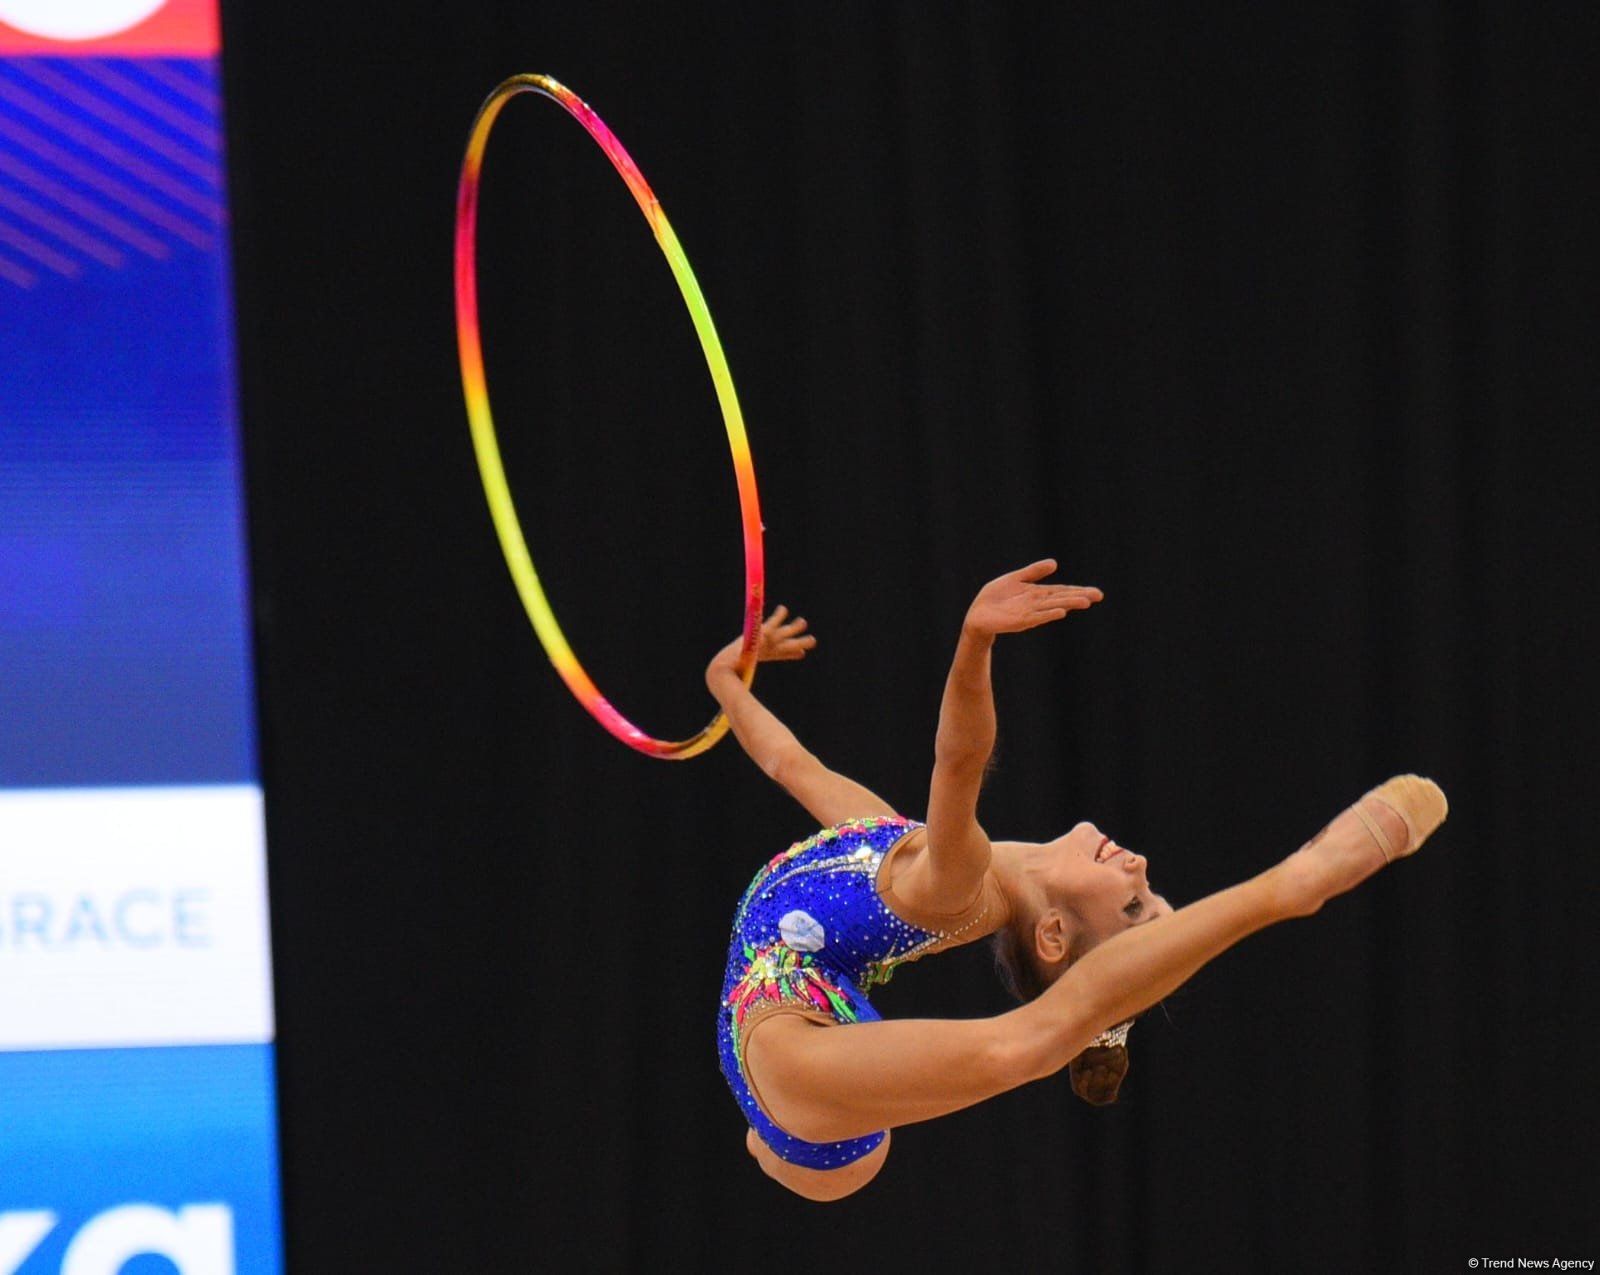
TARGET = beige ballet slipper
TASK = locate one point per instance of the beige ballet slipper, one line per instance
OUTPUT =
(1419, 802)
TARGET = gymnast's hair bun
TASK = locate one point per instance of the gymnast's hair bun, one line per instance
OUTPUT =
(1097, 1073)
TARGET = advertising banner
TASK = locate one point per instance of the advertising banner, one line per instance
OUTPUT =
(137, 1108)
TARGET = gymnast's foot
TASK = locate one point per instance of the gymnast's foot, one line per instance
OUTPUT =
(1388, 823)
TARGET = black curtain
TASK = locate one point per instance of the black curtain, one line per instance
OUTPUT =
(1275, 322)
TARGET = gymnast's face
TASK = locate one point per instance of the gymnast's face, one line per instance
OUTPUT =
(1103, 886)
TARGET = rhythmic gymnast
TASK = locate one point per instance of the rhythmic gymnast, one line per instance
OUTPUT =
(820, 1076)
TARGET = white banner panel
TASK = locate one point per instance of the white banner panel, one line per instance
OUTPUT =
(133, 916)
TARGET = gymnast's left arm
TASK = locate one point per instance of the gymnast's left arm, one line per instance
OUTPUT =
(829, 796)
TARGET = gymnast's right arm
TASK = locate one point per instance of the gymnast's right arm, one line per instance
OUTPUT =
(958, 848)
(829, 796)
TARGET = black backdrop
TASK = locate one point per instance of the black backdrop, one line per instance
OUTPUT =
(1277, 323)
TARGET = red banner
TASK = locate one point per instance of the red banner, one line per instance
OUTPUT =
(95, 28)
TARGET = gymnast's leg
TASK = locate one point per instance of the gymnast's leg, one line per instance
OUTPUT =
(826, 1083)
(1137, 968)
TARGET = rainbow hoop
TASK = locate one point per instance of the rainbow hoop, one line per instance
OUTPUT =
(487, 449)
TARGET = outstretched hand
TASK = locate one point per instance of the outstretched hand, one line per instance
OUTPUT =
(781, 638)
(1017, 601)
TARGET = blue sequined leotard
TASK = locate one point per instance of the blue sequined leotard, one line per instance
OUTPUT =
(812, 934)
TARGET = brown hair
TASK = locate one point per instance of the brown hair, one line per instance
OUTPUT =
(1098, 1071)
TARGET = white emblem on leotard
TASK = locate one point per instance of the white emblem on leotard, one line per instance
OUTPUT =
(802, 932)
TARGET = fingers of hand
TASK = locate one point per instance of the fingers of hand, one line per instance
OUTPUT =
(1063, 595)
(1036, 570)
(1030, 575)
(783, 638)
(1072, 596)
(792, 648)
(1044, 604)
(779, 624)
